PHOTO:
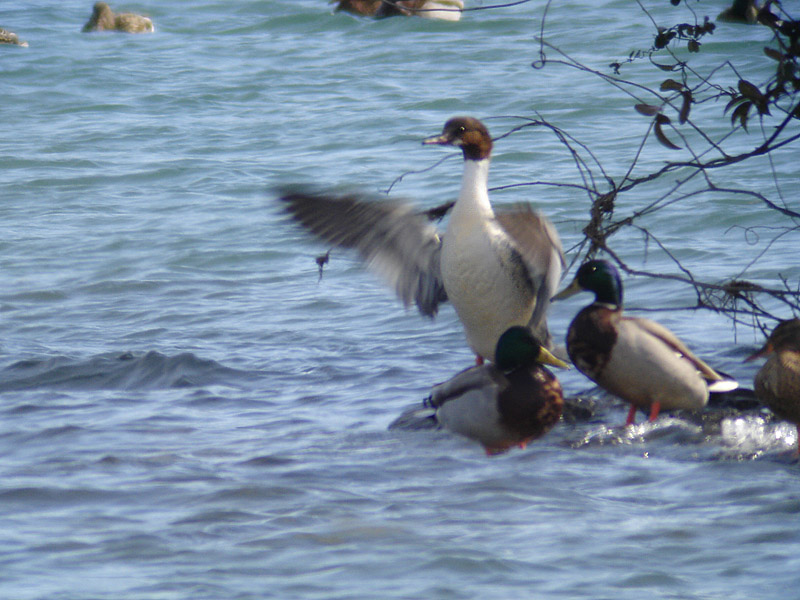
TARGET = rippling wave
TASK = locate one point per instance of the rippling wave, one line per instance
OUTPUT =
(188, 411)
(127, 371)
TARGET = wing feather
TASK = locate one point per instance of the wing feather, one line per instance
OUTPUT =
(537, 241)
(394, 241)
(671, 340)
(484, 378)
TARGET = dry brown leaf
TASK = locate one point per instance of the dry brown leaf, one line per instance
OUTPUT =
(751, 92)
(666, 67)
(663, 139)
(648, 110)
(662, 120)
(734, 101)
(687, 104)
(741, 113)
(671, 85)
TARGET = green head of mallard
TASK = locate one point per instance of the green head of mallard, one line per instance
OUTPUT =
(518, 348)
(598, 276)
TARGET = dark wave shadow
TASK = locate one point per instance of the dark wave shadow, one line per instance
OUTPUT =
(127, 371)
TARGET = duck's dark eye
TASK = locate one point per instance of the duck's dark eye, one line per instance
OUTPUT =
(462, 129)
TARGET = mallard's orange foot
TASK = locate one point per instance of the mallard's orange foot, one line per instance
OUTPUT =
(631, 415)
(495, 450)
(798, 439)
(655, 408)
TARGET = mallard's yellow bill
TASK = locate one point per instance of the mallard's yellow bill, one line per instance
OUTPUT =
(548, 358)
(572, 289)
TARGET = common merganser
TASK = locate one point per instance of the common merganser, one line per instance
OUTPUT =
(635, 359)
(103, 19)
(499, 269)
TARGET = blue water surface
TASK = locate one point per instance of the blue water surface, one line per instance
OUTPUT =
(188, 411)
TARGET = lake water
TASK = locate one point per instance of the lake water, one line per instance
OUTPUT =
(187, 411)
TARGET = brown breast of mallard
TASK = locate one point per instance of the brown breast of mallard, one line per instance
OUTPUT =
(532, 402)
(591, 338)
(777, 384)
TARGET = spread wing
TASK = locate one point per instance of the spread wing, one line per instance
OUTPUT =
(397, 243)
(536, 240)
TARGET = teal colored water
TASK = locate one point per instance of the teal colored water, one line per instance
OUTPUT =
(188, 411)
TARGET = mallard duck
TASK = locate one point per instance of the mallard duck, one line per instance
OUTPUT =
(777, 383)
(741, 11)
(447, 10)
(444, 10)
(103, 19)
(506, 404)
(498, 269)
(635, 359)
(748, 12)
(366, 8)
(9, 37)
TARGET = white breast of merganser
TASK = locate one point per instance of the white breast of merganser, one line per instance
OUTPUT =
(484, 275)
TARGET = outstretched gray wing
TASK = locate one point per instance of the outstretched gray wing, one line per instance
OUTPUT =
(395, 242)
(536, 240)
